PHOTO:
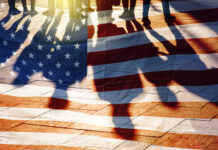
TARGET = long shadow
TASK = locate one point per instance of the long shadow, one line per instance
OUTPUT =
(110, 90)
(186, 78)
(11, 39)
(62, 62)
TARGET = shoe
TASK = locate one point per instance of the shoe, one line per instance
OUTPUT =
(169, 17)
(33, 12)
(131, 13)
(14, 11)
(125, 14)
(49, 13)
(26, 12)
(146, 22)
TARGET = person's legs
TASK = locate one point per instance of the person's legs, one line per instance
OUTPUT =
(24, 5)
(145, 20)
(146, 5)
(71, 5)
(166, 10)
(33, 3)
(12, 8)
(51, 8)
(10, 3)
(132, 8)
(51, 5)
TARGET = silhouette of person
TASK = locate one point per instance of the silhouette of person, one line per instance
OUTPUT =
(128, 9)
(166, 10)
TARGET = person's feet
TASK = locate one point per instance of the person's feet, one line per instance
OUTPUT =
(26, 11)
(33, 12)
(127, 14)
(169, 17)
(14, 11)
(49, 13)
(146, 22)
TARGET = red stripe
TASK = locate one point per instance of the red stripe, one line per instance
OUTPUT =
(163, 78)
(183, 46)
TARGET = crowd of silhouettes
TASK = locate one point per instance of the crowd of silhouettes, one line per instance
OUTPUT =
(128, 8)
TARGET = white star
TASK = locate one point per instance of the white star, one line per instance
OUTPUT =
(50, 73)
(2, 65)
(12, 35)
(67, 73)
(40, 64)
(5, 43)
(76, 64)
(58, 47)
(23, 62)
(68, 37)
(77, 46)
(8, 60)
(40, 47)
(48, 56)
(3, 24)
(77, 28)
(49, 37)
(31, 55)
(17, 69)
(34, 71)
(60, 81)
(58, 65)
(67, 56)
(12, 73)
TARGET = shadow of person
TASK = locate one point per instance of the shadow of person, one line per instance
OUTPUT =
(119, 82)
(174, 54)
(12, 38)
(62, 62)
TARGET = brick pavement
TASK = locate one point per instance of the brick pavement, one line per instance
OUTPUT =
(176, 117)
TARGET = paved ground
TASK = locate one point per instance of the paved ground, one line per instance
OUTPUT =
(153, 88)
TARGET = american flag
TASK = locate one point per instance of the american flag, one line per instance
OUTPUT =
(102, 82)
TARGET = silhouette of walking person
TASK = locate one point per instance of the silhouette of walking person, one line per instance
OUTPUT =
(129, 7)
(166, 10)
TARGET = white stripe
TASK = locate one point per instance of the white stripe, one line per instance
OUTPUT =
(156, 147)
(72, 140)
(201, 30)
(162, 124)
(155, 64)
(57, 139)
(138, 95)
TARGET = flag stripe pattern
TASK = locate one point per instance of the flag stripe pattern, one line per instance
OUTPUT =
(142, 88)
